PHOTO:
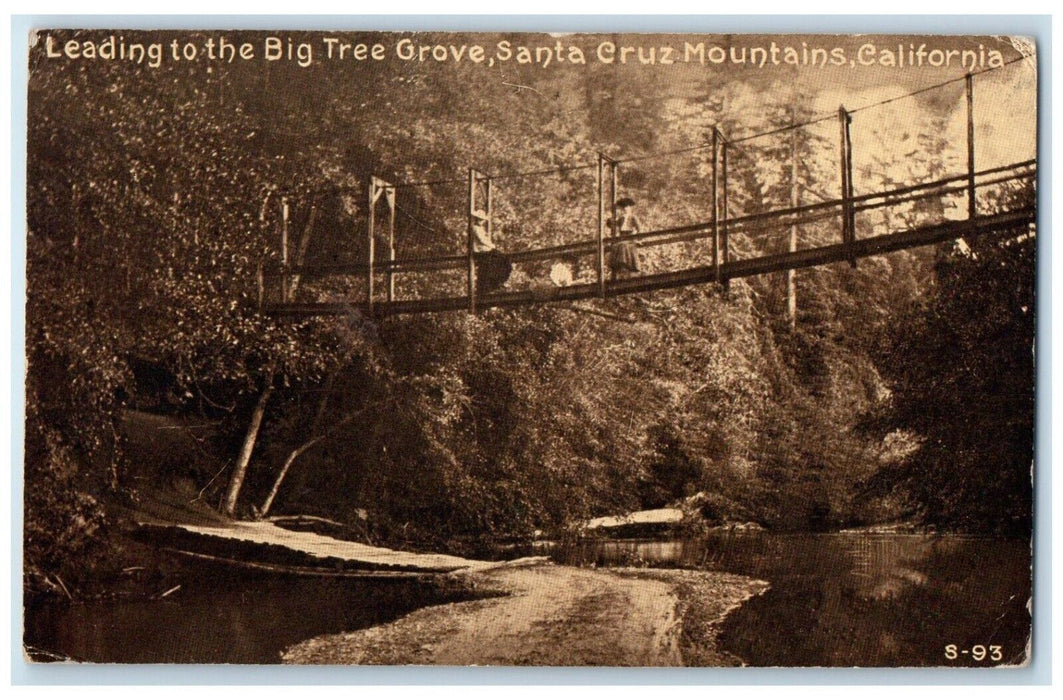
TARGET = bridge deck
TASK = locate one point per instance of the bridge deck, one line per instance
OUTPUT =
(733, 269)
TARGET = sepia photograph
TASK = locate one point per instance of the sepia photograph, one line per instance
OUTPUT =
(363, 348)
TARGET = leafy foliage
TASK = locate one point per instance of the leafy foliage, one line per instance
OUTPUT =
(962, 381)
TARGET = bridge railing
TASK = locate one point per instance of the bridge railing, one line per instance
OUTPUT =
(753, 226)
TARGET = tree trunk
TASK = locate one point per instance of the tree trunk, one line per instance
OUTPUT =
(244, 459)
(237, 481)
(268, 503)
(298, 451)
(315, 438)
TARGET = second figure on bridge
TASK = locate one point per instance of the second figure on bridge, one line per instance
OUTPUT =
(493, 267)
(623, 256)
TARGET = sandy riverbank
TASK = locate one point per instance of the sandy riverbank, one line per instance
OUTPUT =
(549, 615)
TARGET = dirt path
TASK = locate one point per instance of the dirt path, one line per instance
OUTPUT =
(554, 616)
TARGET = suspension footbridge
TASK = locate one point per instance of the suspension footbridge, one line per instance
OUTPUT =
(714, 235)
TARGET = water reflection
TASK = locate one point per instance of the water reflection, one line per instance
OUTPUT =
(835, 600)
(855, 600)
(228, 618)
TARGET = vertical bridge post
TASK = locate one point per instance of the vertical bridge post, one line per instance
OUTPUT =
(487, 209)
(795, 202)
(971, 206)
(475, 178)
(376, 189)
(715, 203)
(601, 226)
(725, 243)
(389, 198)
(284, 249)
(852, 187)
(471, 272)
(844, 175)
(614, 167)
(846, 166)
(610, 166)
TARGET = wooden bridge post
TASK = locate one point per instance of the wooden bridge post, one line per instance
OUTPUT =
(844, 175)
(284, 249)
(369, 246)
(852, 187)
(613, 175)
(715, 203)
(488, 211)
(389, 197)
(848, 212)
(795, 202)
(471, 278)
(374, 194)
(601, 225)
(613, 169)
(971, 206)
(726, 248)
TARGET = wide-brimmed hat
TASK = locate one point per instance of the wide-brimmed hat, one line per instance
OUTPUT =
(479, 214)
(625, 202)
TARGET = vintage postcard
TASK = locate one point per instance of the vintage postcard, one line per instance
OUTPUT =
(528, 349)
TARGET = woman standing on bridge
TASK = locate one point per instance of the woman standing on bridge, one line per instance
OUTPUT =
(493, 267)
(623, 258)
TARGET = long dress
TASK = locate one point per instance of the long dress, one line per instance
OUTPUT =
(493, 267)
(623, 254)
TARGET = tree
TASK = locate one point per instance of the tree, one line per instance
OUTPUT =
(960, 367)
(145, 232)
